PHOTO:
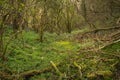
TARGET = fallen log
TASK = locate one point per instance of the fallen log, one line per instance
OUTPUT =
(26, 74)
(31, 73)
(98, 35)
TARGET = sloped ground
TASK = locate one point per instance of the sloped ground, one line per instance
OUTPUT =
(59, 58)
(29, 54)
(98, 38)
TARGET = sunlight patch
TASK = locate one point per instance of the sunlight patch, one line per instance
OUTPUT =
(64, 44)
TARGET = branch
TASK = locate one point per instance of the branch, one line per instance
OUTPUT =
(80, 69)
(26, 74)
(8, 42)
(57, 70)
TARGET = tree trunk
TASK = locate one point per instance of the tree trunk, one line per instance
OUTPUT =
(68, 27)
(1, 38)
(41, 34)
(15, 27)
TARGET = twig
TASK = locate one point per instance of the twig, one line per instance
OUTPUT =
(57, 70)
(80, 69)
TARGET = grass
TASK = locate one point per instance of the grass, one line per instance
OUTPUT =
(34, 55)
(37, 55)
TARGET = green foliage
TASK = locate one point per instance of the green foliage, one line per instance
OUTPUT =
(52, 19)
(37, 56)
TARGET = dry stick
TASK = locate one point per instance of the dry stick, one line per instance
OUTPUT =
(98, 49)
(110, 44)
(114, 55)
(80, 69)
(57, 70)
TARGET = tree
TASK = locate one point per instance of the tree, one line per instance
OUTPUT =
(4, 12)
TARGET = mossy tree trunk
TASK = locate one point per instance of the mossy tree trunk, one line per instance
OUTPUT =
(2, 35)
(1, 38)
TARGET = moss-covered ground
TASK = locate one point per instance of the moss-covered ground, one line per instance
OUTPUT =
(27, 53)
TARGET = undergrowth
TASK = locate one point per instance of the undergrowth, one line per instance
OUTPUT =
(27, 53)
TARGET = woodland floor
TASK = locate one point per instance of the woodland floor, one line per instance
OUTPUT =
(61, 58)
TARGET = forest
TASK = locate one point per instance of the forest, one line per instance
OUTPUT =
(59, 39)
